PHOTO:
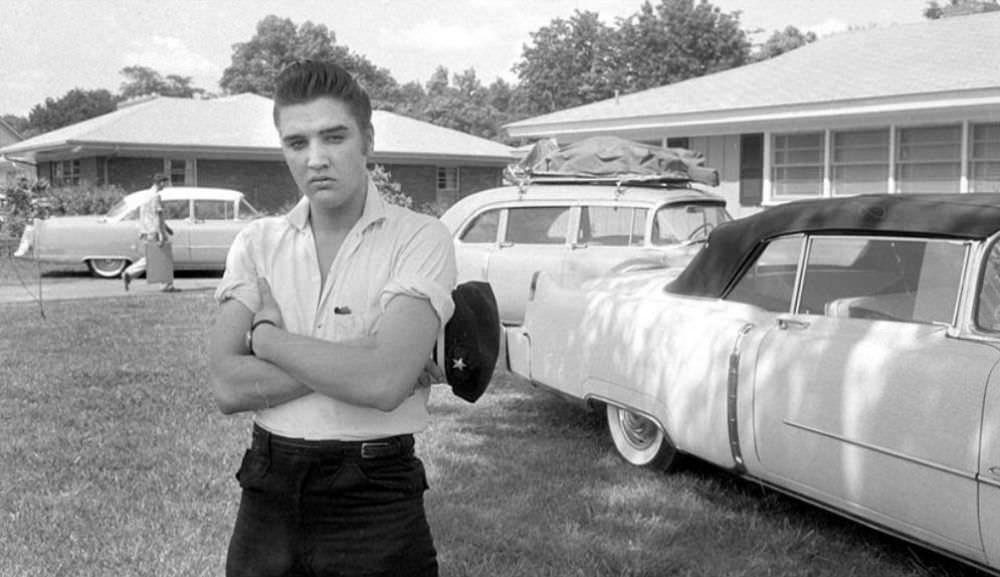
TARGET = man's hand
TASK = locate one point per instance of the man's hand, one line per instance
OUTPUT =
(432, 374)
(268, 306)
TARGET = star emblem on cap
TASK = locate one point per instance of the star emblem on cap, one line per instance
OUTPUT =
(458, 364)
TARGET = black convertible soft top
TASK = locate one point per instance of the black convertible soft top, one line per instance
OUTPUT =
(959, 216)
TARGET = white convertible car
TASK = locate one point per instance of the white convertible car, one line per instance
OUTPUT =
(843, 350)
(204, 220)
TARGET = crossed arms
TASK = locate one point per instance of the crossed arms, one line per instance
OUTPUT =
(379, 371)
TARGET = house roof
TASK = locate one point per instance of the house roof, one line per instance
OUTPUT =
(7, 133)
(241, 126)
(900, 65)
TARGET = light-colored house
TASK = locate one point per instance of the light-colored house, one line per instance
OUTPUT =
(904, 108)
(231, 142)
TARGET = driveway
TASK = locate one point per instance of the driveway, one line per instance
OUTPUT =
(64, 286)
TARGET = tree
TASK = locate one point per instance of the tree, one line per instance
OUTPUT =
(75, 106)
(676, 40)
(783, 41)
(142, 81)
(933, 11)
(568, 63)
(278, 42)
(18, 123)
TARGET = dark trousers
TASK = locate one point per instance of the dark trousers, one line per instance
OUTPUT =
(330, 508)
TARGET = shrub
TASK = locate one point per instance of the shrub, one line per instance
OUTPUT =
(29, 199)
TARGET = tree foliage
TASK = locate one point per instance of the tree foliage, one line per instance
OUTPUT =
(568, 63)
(783, 41)
(75, 106)
(278, 42)
(934, 10)
(676, 40)
(143, 81)
(580, 60)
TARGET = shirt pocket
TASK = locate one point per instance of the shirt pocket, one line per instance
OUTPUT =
(345, 324)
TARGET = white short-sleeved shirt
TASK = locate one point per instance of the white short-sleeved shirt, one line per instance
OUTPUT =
(390, 251)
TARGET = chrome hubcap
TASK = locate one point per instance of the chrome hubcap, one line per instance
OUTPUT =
(639, 431)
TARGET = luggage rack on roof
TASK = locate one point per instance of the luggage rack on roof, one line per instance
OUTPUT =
(618, 181)
(610, 160)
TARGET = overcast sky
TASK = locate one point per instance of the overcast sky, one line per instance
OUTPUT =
(48, 47)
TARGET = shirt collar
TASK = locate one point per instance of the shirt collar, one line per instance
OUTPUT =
(373, 211)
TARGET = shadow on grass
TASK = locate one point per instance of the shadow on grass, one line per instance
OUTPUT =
(525, 483)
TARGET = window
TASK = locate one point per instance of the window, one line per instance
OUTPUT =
(860, 162)
(181, 171)
(612, 226)
(679, 142)
(213, 210)
(984, 158)
(66, 172)
(686, 222)
(769, 282)
(988, 303)
(797, 166)
(447, 178)
(903, 280)
(538, 225)
(483, 228)
(175, 209)
(929, 159)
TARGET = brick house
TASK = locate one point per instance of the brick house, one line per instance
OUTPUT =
(900, 109)
(231, 142)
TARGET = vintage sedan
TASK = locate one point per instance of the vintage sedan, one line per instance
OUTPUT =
(842, 350)
(581, 210)
(204, 220)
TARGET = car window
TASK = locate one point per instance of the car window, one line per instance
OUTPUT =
(988, 301)
(537, 224)
(483, 228)
(175, 209)
(213, 210)
(908, 280)
(769, 282)
(612, 226)
(122, 207)
(686, 222)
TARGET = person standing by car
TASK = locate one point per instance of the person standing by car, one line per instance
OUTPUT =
(327, 318)
(155, 235)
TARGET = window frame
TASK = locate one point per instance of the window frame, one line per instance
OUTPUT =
(785, 165)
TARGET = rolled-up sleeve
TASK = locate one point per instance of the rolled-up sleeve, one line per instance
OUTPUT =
(239, 281)
(425, 269)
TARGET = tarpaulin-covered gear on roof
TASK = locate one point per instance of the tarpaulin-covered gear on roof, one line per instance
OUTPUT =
(614, 157)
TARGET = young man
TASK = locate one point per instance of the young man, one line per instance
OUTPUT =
(327, 319)
(154, 234)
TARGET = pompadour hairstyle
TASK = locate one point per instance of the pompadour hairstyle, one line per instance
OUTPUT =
(306, 80)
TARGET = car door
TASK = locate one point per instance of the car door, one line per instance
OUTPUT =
(988, 324)
(606, 236)
(211, 231)
(176, 212)
(535, 239)
(865, 399)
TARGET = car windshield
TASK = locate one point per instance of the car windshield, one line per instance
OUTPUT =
(247, 212)
(686, 222)
(120, 208)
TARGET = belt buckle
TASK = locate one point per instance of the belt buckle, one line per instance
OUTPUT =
(369, 450)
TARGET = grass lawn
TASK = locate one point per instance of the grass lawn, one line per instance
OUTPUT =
(116, 463)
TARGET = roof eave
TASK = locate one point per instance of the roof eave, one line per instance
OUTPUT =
(765, 118)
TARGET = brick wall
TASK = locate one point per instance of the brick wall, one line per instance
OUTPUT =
(133, 174)
(267, 185)
(420, 182)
